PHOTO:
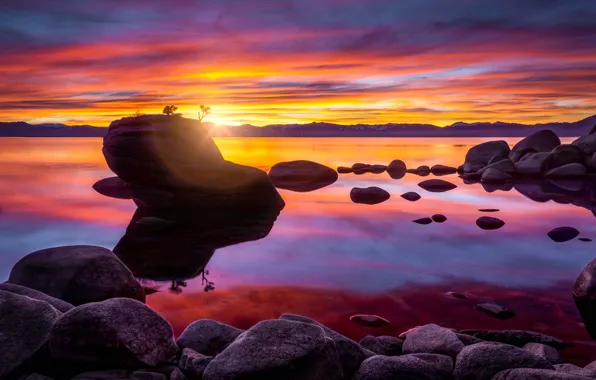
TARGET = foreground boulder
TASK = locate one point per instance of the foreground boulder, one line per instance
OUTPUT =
(369, 195)
(540, 141)
(278, 349)
(584, 295)
(549, 353)
(518, 338)
(563, 155)
(25, 325)
(414, 366)
(587, 144)
(58, 304)
(302, 176)
(208, 337)
(77, 274)
(383, 345)
(437, 185)
(120, 332)
(567, 171)
(538, 374)
(432, 339)
(532, 165)
(491, 175)
(396, 169)
(480, 155)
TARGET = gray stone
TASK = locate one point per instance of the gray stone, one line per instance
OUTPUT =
(568, 170)
(25, 326)
(177, 375)
(404, 367)
(563, 155)
(302, 175)
(383, 345)
(495, 310)
(492, 175)
(117, 332)
(468, 339)
(587, 144)
(350, 353)
(437, 185)
(482, 154)
(193, 364)
(77, 274)
(569, 368)
(482, 361)
(208, 337)
(278, 349)
(517, 338)
(549, 353)
(58, 304)
(535, 374)
(369, 195)
(432, 339)
(531, 165)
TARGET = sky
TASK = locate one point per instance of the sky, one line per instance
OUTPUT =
(297, 61)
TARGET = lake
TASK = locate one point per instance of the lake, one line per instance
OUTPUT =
(327, 257)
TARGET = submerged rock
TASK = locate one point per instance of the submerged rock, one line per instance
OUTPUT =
(413, 366)
(208, 337)
(376, 168)
(532, 373)
(397, 169)
(439, 218)
(456, 295)
(369, 195)
(584, 239)
(369, 320)
(423, 221)
(489, 210)
(58, 304)
(489, 223)
(411, 196)
(494, 310)
(437, 185)
(383, 345)
(301, 176)
(563, 234)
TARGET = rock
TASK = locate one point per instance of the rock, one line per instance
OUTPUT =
(482, 361)
(76, 274)
(584, 239)
(505, 165)
(488, 210)
(404, 367)
(569, 170)
(113, 187)
(25, 328)
(423, 168)
(432, 339)
(470, 178)
(480, 155)
(494, 310)
(531, 165)
(563, 155)
(549, 353)
(350, 353)
(423, 221)
(24, 291)
(359, 166)
(376, 168)
(344, 170)
(517, 338)
(193, 364)
(442, 170)
(148, 375)
(468, 340)
(535, 374)
(208, 337)
(369, 320)
(472, 167)
(118, 332)
(437, 185)
(115, 374)
(439, 218)
(520, 154)
(533, 191)
(563, 234)
(456, 295)
(491, 175)
(278, 349)
(584, 295)
(440, 362)
(397, 169)
(411, 196)
(177, 375)
(540, 141)
(489, 223)
(569, 368)
(369, 195)
(460, 169)
(492, 187)
(383, 345)
(587, 144)
(301, 176)
(35, 376)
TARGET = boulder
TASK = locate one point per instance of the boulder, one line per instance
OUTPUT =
(482, 361)
(549, 353)
(520, 154)
(359, 166)
(492, 187)
(494, 310)
(531, 165)
(278, 349)
(584, 295)
(568, 170)
(563, 234)
(350, 353)
(208, 337)
(193, 364)
(415, 366)
(468, 340)
(121, 332)
(472, 167)
(411, 196)
(369, 195)
(563, 155)
(376, 168)
(301, 176)
(439, 218)
(77, 274)
(397, 169)
(540, 141)
(489, 223)
(383, 345)
(518, 338)
(369, 320)
(35, 376)
(344, 170)
(148, 375)
(114, 374)
(587, 144)
(480, 155)
(504, 165)
(567, 368)
(113, 187)
(25, 326)
(437, 185)
(423, 221)
(432, 339)
(58, 304)
(535, 374)
(177, 375)
(492, 175)
(442, 170)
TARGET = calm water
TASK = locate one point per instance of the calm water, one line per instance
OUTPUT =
(327, 257)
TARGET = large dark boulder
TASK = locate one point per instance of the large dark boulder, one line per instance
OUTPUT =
(119, 332)
(58, 304)
(278, 349)
(573, 170)
(413, 366)
(540, 141)
(491, 175)
(383, 345)
(584, 295)
(483, 153)
(432, 339)
(563, 155)
(396, 169)
(587, 144)
(25, 325)
(301, 175)
(369, 195)
(208, 337)
(77, 274)
(531, 165)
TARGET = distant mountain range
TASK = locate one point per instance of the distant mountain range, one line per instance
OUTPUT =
(460, 129)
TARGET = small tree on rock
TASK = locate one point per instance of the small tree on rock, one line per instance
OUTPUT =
(169, 110)
(203, 112)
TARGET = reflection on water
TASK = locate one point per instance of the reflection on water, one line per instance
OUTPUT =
(326, 257)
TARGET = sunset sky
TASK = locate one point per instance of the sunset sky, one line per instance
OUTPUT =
(282, 61)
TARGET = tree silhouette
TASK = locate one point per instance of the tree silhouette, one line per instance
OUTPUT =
(169, 110)
(203, 112)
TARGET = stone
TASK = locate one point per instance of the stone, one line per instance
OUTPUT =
(563, 234)
(491, 175)
(489, 210)
(468, 340)
(415, 366)
(494, 310)
(208, 337)
(35, 376)
(482, 361)
(437, 185)
(531, 165)
(376, 168)
(535, 374)
(359, 166)
(549, 353)
(540, 141)
(518, 338)
(439, 218)
(423, 168)
(397, 169)
(456, 295)
(25, 328)
(505, 165)
(148, 375)
(492, 187)
(584, 295)
(423, 221)
(563, 155)
(369, 195)
(369, 320)
(411, 196)
(193, 364)
(584, 239)
(113, 187)
(432, 339)
(118, 332)
(489, 223)
(587, 144)
(77, 274)
(482, 154)
(301, 176)
(344, 170)
(383, 345)
(472, 167)
(442, 170)
(520, 154)
(24, 291)
(115, 374)
(350, 353)
(177, 375)
(278, 349)
(569, 368)
(567, 171)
